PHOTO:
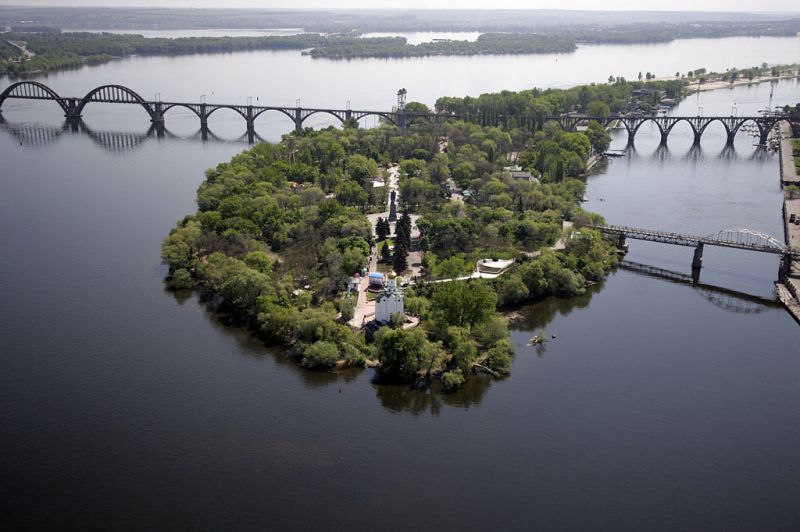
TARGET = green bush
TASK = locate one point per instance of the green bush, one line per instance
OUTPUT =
(452, 379)
(320, 355)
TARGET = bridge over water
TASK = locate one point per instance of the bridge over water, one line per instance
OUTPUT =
(739, 238)
(156, 110)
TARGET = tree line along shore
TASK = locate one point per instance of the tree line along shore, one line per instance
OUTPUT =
(281, 229)
(46, 51)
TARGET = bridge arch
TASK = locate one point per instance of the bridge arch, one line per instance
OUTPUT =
(324, 111)
(278, 109)
(33, 90)
(185, 106)
(231, 107)
(648, 119)
(711, 121)
(386, 116)
(114, 94)
(762, 133)
(743, 235)
(672, 125)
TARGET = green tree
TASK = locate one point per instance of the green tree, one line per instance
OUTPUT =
(598, 108)
(400, 259)
(463, 304)
(381, 230)
(386, 254)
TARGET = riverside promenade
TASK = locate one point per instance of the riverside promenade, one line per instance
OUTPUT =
(789, 291)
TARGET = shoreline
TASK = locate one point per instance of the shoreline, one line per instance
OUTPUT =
(789, 287)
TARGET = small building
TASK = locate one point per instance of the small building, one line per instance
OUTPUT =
(494, 267)
(376, 281)
(355, 283)
(389, 302)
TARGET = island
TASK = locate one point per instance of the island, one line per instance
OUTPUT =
(472, 219)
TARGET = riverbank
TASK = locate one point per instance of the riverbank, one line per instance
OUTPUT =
(789, 291)
(693, 88)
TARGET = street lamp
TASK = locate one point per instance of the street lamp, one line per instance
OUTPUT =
(699, 110)
(297, 102)
(734, 110)
(348, 105)
(202, 98)
(158, 96)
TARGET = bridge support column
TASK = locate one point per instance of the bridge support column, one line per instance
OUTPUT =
(731, 137)
(402, 123)
(622, 243)
(697, 260)
(158, 115)
(251, 123)
(72, 108)
(203, 118)
(697, 136)
(631, 136)
(664, 136)
(298, 118)
(785, 268)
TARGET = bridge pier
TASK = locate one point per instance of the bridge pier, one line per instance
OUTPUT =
(157, 117)
(731, 137)
(203, 117)
(697, 136)
(664, 136)
(697, 260)
(251, 123)
(622, 243)
(298, 118)
(785, 268)
(72, 108)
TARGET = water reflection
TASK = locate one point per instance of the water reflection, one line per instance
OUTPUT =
(399, 397)
(37, 135)
(724, 298)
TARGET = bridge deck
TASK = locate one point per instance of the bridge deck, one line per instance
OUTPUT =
(748, 242)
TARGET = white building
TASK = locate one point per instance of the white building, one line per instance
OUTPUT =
(389, 302)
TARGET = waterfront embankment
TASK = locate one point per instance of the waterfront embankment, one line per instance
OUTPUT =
(790, 296)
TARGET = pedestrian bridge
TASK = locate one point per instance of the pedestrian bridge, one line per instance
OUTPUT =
(737, 238)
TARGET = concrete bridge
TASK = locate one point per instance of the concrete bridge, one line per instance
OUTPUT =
(73, 107)
(740, 238)
(43, 136)
(732, 124)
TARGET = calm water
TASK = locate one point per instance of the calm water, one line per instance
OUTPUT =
(659, 405)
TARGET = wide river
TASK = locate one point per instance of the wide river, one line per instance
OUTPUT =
(660, 405)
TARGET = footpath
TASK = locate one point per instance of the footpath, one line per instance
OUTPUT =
(789, 288)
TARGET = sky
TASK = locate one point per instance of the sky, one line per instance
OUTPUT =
(637, 5)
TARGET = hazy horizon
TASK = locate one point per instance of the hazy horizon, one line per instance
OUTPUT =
(729, 6)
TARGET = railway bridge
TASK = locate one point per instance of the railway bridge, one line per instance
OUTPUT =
(156, 110)
(73, 108)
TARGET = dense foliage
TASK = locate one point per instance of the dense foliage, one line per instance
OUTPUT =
(488, 43)
(527, 109)
(65, 50)
(280, 228)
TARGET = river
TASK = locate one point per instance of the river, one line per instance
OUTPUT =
(658, 406)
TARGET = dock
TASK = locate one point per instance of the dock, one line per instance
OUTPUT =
(789, 287)
(788, 169)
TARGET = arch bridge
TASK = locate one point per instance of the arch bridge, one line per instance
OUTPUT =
(156, 110)
(736, 238)
(762, 125)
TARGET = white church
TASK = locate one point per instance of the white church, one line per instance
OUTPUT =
(390, 301)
